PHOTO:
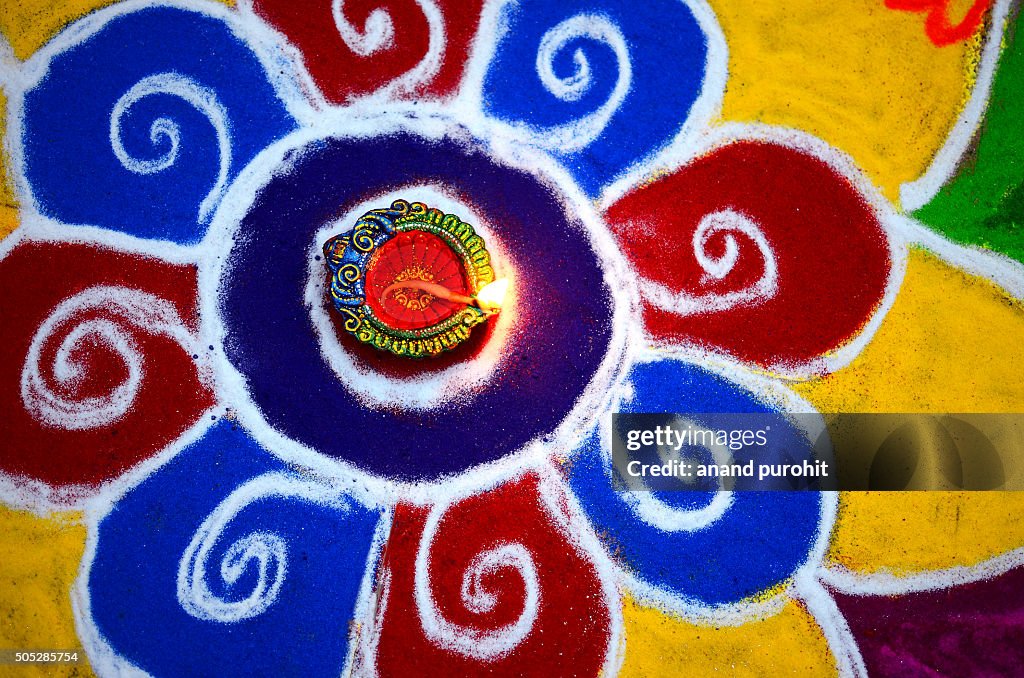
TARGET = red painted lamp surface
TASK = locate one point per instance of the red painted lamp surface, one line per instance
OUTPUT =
(412, 280)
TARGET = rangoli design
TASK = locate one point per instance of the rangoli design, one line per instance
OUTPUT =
(314, 315)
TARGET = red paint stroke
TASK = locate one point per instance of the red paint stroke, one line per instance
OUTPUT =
(35, 278)
(974, 629)
(571, 632)
(831, 252)
(938, 26)
(342, 74)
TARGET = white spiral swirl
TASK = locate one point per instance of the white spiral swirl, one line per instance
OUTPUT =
(667, 518)
(727, 222)
(485, 645)
(120, 310)
(266, 551)
(378, 32)
(594, 27)
(166, 131)
(378, 35)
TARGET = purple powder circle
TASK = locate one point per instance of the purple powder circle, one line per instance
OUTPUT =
(271, 342)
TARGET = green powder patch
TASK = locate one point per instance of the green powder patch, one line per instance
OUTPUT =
(984, 202)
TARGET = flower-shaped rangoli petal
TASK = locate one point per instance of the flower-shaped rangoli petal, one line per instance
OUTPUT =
(100, 363)
(407, 48)
(126, 125)
(221, 551)
(580, 79)
(485, 584)
(776, 256)
(697, 551)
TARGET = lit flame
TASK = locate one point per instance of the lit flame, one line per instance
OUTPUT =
(491, 296)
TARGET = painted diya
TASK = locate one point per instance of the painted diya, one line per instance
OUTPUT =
(412, 280)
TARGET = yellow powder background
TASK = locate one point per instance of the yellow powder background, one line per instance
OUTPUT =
(864, 78)
(38, 564)
(8, 205)
(29, 24)
(788, 643)
(951, 343)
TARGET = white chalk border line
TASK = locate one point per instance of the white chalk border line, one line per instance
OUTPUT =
(919, 192)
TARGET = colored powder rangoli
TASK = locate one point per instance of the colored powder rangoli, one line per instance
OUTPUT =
(315, 316)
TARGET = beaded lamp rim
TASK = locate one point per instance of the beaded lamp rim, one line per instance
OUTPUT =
(348, 255)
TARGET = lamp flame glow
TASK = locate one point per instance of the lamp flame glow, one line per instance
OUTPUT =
(492, 295)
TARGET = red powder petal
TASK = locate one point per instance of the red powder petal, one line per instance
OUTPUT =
(341, 73)
(831, 253)
(36, 277)
(572, 630)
